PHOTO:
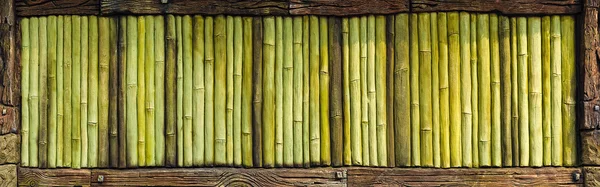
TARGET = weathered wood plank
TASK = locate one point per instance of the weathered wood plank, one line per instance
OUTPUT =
(9, 119)
(347, 7)
(8, 175)
(9, 69)
(503, 6)
(465, 177)
(243, 7)
(54, 177)
(55, 7)
(591, 73)
(590, 147)
(591, 176)
(9, 149)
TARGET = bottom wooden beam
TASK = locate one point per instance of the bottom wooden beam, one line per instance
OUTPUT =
(352, 176)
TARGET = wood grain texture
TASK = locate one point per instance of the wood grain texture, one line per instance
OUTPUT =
(55, 7)
(591, 71)
(529, 7)
(245, 7)
(347, 7)
(9, 66)
(590, 147)
(9, 119)
(10, 149)
(8, 175)
(54, 177)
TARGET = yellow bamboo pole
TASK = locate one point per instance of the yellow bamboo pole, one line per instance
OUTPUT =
(141, 90)
(380, 86)
(435, 91)
(198, 92)
(444, 83)
(483, 51)
(514, 95)
(495, 89)
(269, 92)
(324, 92)
(278, 91)
(297, 90)
(25, 63)
(369, 143)
(425, 109)
(76, 142)
(568, 90)
(371, 100)
(314, 111)
(355, 102)
(556, 81)
(247, 95)
(132, 123)
(59, 92)
(220, 90)
(466, 92)
(474, 93)
(188, 154)
(402, 91)
(150, 92)
(456, 101)
(209, 81)
(86, 54)
(288, 94)
(159, 96)
(52, 89)
(414, 91)
(522, 76)
(546, 93)
(237, 89)
(229, 90)
(347, 157)
(535, 90)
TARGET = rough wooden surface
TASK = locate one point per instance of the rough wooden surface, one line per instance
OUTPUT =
(8, 175)
(9, 149)
(347, 7)
(9, 69)
(591, 176)
(245, 7)
(504, 6)
(9, 119)
(591, 73)
(590, 148)
(54, 7)
(54, 177)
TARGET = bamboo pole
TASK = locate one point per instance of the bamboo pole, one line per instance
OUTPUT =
(556, 83)
(288, 81)
(86, 129)
(237, 88)
(402, 141)
(186, 39)
(355, 103)
(150, 91)
(122, 91)
(514, 95)
(569, 87)
(457, 103)
(466, 90)
(132, 94)
(414, 91)
(257, 99)
(346, 78)
(104, 58)
(52, 88)
(141, 90)
(380, 86)
(495, 89)
(209, 83)
(76, 143)
(159, 96)
(390, 34)
(179, 83)
(324, 92)
(43, 93)
(59, 92)
(171, 88)
(25, 119)
(198, 92)
(484, 80)
(298, 90)
(93, 108)
(268, 113)
(113, 90)
(305, 91)
(67, 119)
(335, 59)
(425, 75)
(474, 92)
(442, 25)
(369, 142)
(278, 91)
(314, 111)
(229, 89)
(370, 102)
(505, 91)
(247, 78)
(522, 77)
(535, 91)
(435, 91)
(220, 48)
(546, 93)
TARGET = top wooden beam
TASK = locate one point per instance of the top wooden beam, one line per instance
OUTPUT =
(291, 7)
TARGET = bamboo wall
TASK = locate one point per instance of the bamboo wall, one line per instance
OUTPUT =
(431, 89)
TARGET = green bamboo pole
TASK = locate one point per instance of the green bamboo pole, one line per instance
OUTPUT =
(546, 94)
(314, 111)
(457, 103)
(484, 80)
(209, 83)
(495, 89)
(324, 92)
(229, 89)
(505, 91)
(141, 90)
(180, 82)
(159, 96)
(380, 86)
(535, 90)
(288, 81)
(347, 157)
(435, 91)
(247, 94)
(52, 88)
(43, 93)
(444, 90)
(514, 95)
(122, 91)
(556, 83)
(171, 139)
(305, 91)
(76, 143)
(402, 91)
(474, 92)
(414, 91)
(132, 94)
(297, 89)
(268, 91)
(67, 119)
(467, 97)
(220, 48)
(522, 77)
(187, 89)
(198, 92)
(355, 103)
(278, 91)
(425, 74)
(149, 111)
(367, 139)
(92, 122)
(569, 87)
(370, 102)
(85, 88)
(113, 95)
(59, 92)
(237, 89)
(25, 120)
(104, 58)
(257, 100)
(336, 94)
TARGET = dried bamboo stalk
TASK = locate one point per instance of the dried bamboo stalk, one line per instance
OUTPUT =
(85, 60)
(457, 103)
(141, 90)
(314, 111)
(346, 76)
(229, 90)
(237, 89)
(113, 89)
(335, 59)
(442, 25)
(380, 86)
(522, 78)
(288, 81)
(414, 91)
(93, 78)
(484, 81)
(278, 91)
(209, 96)
(425, 89)
(546, 93)
(268, 113)
(131, 76)
(368, 139)
(569, 86)
(474, 91)
(495, 89)
(390, 33)
(247, 78)
(305, 91)
(122, 91)
(68, 112)
(298, 90)
(324, 92)
(159, 96)
(505, 91)
(150, 91)
(104, 44)
(52, 89)
(76, 142)
(188, 156)
(355, 103)
(371, 99)
(220, 77)
(171, 88)
(514, 95)
(402, 119)
(43, 93)
(198, 92)
(535, 90)
(25, 63)
(257, 99)
(556, 81)
(59, 92)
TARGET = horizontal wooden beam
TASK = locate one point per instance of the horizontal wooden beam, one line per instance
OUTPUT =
(208, 7)
(347, 7)
(56, 7)
(54, 177)
(523, 7)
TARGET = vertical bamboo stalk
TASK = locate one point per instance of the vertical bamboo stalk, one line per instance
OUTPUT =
(425, 94)
(298, 90)
(346, 76)
(76, 143)
(150, 90)
(59, 92)
(466, 92)
(390, 125)
(324, 92)
(247, 78)
(535, 90)
(85, 88)
(505, 91)
(113, 89)
(159, 96)
(25, 119)
(188, 155)
(484, 80)
(229, 89)
(435, 91)
(237, 89)
(474, 92)
(288, 81)
(209, 83)
(414, 91)
(198, 92)
(402, 140)
(546, 94)
(556, 81)
(103, 87)
(171, 88)
(522, 77)
(220, 77)
(67, 119)
(495, 89)
(122, 91)
(141, 90)
(52, 89)
(515, 90)
(180, 94)
(132, 94)
(335, 59)
(314, 111)
(257, 93)
(93, 117)
(442, 25)
(305, 91)
(369, 142)
(43, 93)
(268, 113)
(380, 86)
(368, 80)
(278, 91)
(355, 103)
(569, 87)
(457, 103)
